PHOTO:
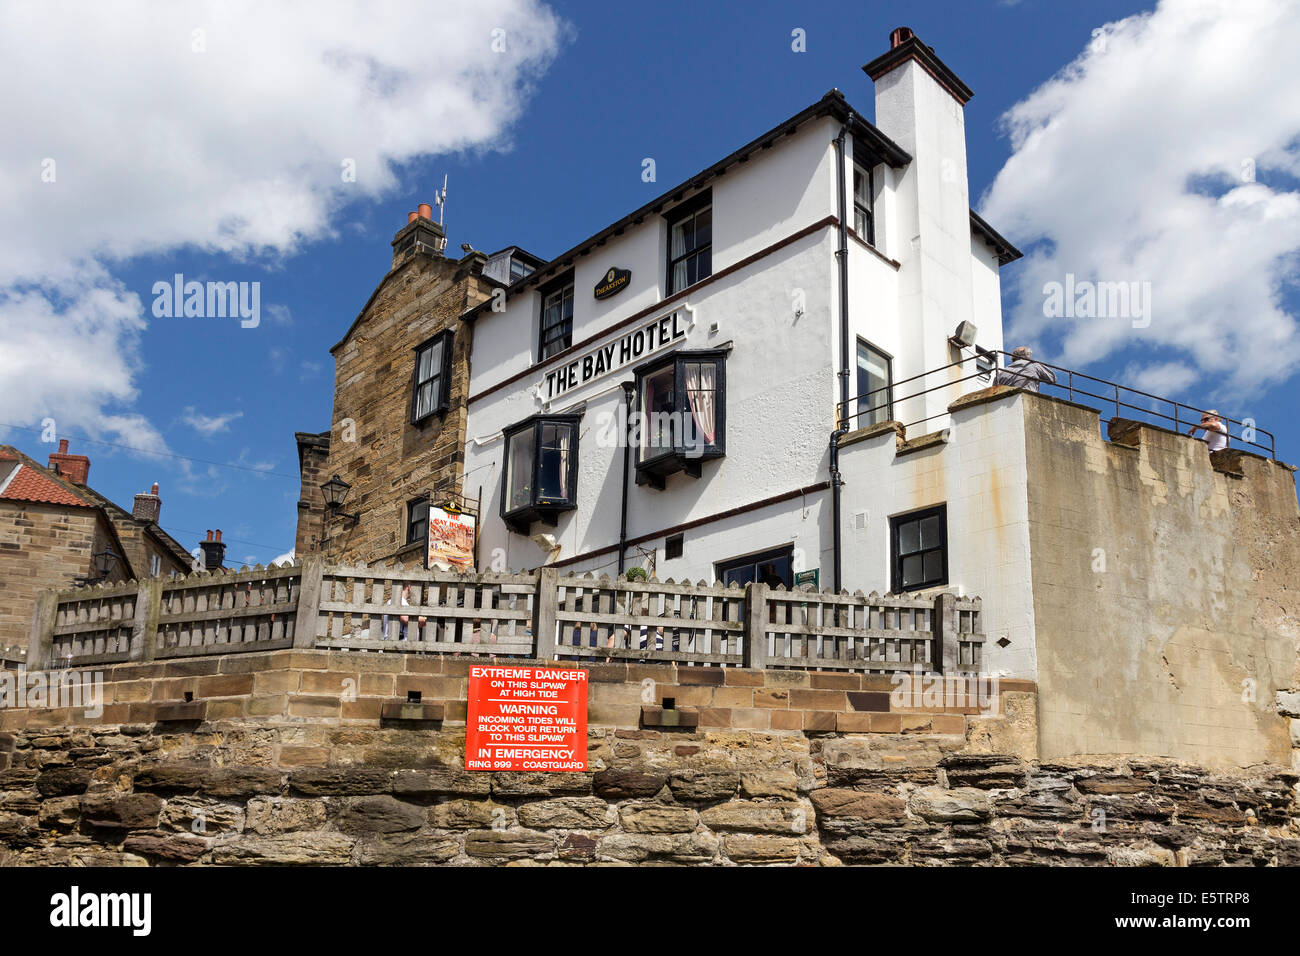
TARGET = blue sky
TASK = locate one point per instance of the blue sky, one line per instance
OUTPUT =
(684, 83)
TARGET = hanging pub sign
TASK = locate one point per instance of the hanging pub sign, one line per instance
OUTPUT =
(600, 361)
(614, 282)
(451, 540)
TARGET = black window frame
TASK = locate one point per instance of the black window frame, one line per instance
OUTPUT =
(786, 551)
(688, 209)
(680, 456)
(558, 286)
(411, 507)
(674, 547)
(896, 522)
(445, 342)
(888, 409)
(538, 508)
(868, 211)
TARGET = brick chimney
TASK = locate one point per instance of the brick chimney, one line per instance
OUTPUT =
(147, 507)
(75, 468)
(420, 235)
(214, 551)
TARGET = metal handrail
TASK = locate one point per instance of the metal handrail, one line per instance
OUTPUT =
(1075, 386)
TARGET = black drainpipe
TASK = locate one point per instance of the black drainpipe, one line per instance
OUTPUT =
(841, 423)
(628, 390)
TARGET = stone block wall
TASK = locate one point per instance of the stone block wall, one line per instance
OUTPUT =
(372, 444)
(1166, 591)
(308, 793)
(350, 688)
(42, 546)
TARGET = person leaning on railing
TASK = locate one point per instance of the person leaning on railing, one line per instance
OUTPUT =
(1216, 432)
(1024, 372)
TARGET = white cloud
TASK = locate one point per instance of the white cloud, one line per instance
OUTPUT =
(239, 148)
(1164, 153)
(209, 425)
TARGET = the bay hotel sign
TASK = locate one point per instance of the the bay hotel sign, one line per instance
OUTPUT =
(604, 359)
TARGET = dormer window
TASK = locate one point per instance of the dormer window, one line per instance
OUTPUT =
(541, 471)
(682, 414)
(431, 391)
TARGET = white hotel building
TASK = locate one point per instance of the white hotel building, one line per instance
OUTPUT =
(827, 258)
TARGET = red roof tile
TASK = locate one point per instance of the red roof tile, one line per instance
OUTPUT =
(28, 484)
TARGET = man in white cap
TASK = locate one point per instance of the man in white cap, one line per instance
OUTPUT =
(1216, 432)
(1024, 372)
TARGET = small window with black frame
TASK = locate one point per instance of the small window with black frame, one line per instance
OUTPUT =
(539, 481)
(864, 218)
(681, 413)
(690, 242)
(875, 381)
(919, 548)
(417, 521)
(772, 568)
(555, 330)
(431, 390)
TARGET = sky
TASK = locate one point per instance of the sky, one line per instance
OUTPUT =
(283, 145)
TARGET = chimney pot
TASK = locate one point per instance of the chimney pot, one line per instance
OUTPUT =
(412, 216)
(63, 446)
(154, 490)
(899, 36)
(425, 210)
(218, 534)
(214, 552)
(209, 534)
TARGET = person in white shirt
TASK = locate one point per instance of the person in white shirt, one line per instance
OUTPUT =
(1024, 372)
(1216, 432)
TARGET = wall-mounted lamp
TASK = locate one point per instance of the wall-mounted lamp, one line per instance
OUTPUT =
(104, 563)
(336, 492)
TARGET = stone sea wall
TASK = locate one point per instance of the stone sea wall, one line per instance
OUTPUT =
(305, 792)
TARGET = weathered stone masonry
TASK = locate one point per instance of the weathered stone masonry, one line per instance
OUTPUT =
(323, 779)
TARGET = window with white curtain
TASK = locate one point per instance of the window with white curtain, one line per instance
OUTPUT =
(690, 243)
(431, 390)
(681, 413)
(541, 470)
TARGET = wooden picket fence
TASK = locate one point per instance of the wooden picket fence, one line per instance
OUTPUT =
(311, 604)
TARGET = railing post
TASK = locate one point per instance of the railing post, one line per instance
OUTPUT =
(544, 604)
(945, 648)
(40, 647)
(755, 625)
(309, 595)
(148, 607)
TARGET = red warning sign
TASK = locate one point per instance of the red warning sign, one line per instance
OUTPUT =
(526, 718)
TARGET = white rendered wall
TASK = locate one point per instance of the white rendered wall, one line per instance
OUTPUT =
(980, 475)
(933, 224)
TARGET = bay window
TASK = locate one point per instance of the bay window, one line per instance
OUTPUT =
(540, 477)
(681, 414)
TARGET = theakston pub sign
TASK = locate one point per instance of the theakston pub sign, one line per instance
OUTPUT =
(613, 282)
(600, 361)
